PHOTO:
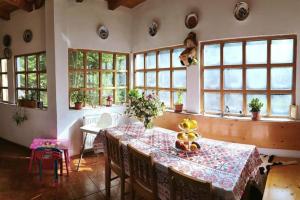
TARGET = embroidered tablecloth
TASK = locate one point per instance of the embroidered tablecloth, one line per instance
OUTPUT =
(228, 166)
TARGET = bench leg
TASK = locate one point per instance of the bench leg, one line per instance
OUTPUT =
(82, 150)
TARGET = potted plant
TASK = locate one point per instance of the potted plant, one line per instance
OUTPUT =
(78, 98)
(179, 102)
(255, 105)
(28, 101)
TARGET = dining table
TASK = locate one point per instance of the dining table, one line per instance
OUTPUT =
(228, 166)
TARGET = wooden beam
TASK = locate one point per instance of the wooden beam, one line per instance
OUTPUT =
(113, 4)
(4, 15)
(22, 4)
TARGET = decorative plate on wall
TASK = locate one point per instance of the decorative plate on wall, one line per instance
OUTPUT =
(191, 20)
(6, 40)
(153, 28)
(7, 53)
(103, 32)
(27, 35)
(241, 11)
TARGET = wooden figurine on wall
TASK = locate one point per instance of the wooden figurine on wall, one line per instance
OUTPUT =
(189, 55)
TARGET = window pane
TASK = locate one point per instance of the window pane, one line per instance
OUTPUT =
(256, 52)
(139, 61)
(20, 64)
(76, 59)
(176, 60)
(107, 61)
(233, 53)
(4, 94)
(31, 63)
(121, 79)
(282, 51)
(4, 80)
(92, 59)
(281, 78)
(262, 98)
(164, 79)
(179, 79)
(164, 96)
(139, 79)
(212, 55)
(147, 92)
(76, 80)
(44, 98)
(105, 94)
(164, 59)
(234, 103)
(3, 65)
(107, 79)
(32, 94)
(42, 60)
(233, 79)
(151, 60)
(280, 104)
(121, 62)
(256, 79)
(21, 80)
(212, 102)
(175, 98)
(151, 79)
(32, 80)
(92, 80)
(121, 96)
(93, 97)
(43, 81)
(211, 79)
(21, 94)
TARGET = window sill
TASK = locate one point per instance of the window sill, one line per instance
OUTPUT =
(98, 107)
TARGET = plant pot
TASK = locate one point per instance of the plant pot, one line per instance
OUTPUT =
(78, 105)
(178, 108)
(27, 103)
(148, 122)
(255, 116)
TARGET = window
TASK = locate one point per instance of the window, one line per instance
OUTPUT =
(161, 72)
(3, 81)
(31, 77)
(98, 75)
(235, 71)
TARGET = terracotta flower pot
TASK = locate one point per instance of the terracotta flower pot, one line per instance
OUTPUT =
(178, 108)
(255, 116)
(78, 105)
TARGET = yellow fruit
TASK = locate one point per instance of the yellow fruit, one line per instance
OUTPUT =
(192, 136)
(193, 147)
(180, 136)
(193, 124)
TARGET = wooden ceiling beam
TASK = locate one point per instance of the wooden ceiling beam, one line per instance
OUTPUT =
(4, 15)
(22, 4)
(113, 4)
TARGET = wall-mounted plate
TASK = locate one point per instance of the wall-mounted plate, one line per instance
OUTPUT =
(6, 40)
(153, 28)
(7, 53)
(27, 35)
(241, 11)
(191, 20)
(103, 32)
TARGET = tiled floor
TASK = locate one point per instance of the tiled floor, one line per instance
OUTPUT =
(17, 184)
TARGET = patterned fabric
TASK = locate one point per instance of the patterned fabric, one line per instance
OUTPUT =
(229, 166)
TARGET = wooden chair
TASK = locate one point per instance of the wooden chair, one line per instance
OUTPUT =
(184, 187)
(142, 175)
(114, 162)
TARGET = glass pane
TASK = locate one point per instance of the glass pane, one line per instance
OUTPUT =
(3, 65)
(212, 55)
(281, 78)
(76, 59)
(21, 80)
(233, 79)
(164, 79)
(176, 60)
(233, 103)
(164, 96)
(121, 79)
(211, 79)
(282, 51)
(256, 79)
(147, 92)
(43, 81)
(20, 64)
(31, 63)
(139, 61)
(4, 80)
(212, 102)
(105, 94)
(121, 62)
(92, 59)
(21, 94)
(151, 79)
(32, 94)
(280, 104)
(139, 79)
(164, 59)
(44, 98)
(32, 80)
(42, 60)
(262, 98)
(76, 80)
(256, 52)
(4, 94)
(233, 53)
(121, 96)
(107, 79)
(151, 60)
(92, 80)
(93, 97)
(179, 79)
(175, 98)
(107, 61)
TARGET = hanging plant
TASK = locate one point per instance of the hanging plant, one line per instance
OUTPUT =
(19, 116)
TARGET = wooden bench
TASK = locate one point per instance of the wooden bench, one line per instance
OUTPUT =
(283, 182)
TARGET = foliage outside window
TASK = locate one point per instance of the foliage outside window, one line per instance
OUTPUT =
(233, 72)
(97, 75)
(161, 72)
(3, 81)
(31, 77)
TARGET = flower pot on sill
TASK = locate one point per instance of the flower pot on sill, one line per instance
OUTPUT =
(178, 108)
(255, 116)
(27, 103)
(78, 105)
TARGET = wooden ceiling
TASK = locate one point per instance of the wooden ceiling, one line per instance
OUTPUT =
(113, 4)
(8, 6)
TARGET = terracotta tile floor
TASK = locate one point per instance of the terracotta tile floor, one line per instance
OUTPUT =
(17, 184)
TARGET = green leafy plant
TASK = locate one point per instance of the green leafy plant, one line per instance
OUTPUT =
(134, 93)
(19, 116)
(179, 94)
(78, 97)
(255, 105)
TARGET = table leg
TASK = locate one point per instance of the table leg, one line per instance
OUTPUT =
(82, 150)
(66, 154)
(30, 162)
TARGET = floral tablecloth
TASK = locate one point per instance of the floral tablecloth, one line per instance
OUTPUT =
(229, 166)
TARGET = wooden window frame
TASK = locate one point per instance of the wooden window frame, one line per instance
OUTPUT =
(172, 69)
(268, 92)
(1, 86)
(38, 72)
(84, 70)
